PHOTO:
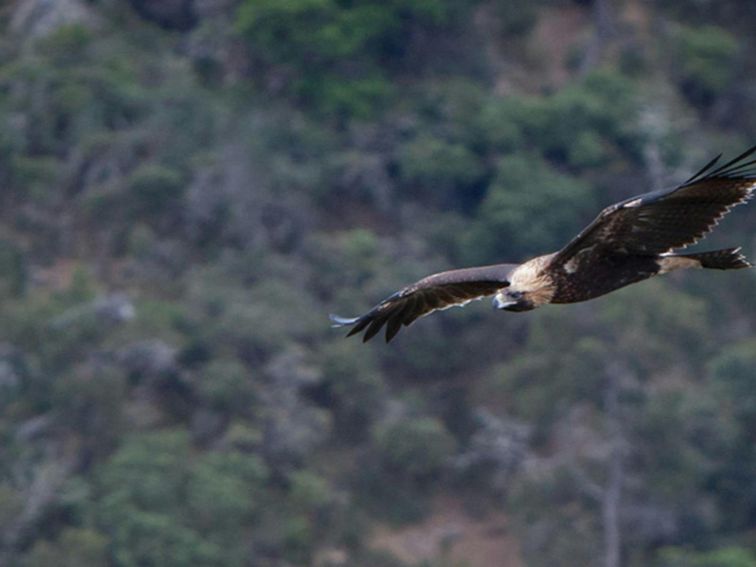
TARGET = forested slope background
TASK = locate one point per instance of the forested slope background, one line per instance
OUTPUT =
(189, 187)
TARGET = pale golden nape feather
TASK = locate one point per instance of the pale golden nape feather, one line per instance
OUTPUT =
(533, 280)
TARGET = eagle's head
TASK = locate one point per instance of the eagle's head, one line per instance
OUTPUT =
(529, 287)
(512, 300)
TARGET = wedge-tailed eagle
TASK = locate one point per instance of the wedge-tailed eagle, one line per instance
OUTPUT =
(628, 242)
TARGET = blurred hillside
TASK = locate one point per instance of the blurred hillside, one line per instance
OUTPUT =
(189, 187)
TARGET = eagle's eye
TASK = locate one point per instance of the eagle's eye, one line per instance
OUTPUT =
(515, 295)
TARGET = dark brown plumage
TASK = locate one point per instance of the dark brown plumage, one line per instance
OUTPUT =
(628, 242)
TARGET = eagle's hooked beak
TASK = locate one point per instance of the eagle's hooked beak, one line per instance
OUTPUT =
(512, 300)
(500, 303)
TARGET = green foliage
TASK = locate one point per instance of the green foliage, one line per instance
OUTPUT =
(354, 388)
(327, 30)
(517, 18)
(223, 492)
(247, 322)
(147, 472)
(416, 448)
(148, 538)
(361, 247)
(298, 539)
(226, 385)
(738, 14)
(90, 403)
(155, 479)
(71, 91)
(358, 98)
(68, 45)
(309, 491)
(72, 548)
(706, 59)
(731, 383)
(301, 518)
(500, 122)
(517, 195)
(725, 557)
(153, 190)
(732, 374)
(437, 165)
(315, 36)
(688, 438)
(600, 106)
(580, 127)
(10, 506)
(577, 126)
(660, 310)
(338, 49)
(34, 175)
(284, 29)
(13, 273)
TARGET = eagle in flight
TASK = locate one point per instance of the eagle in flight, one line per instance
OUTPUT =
(628, 242)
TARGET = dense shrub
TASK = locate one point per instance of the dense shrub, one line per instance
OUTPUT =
(417, 448)
(524, 188)
(706, 63)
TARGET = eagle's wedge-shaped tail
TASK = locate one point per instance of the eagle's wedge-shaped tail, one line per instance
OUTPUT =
(432, 293)
(727, 259)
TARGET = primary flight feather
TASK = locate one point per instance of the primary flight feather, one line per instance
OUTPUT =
(628, 242)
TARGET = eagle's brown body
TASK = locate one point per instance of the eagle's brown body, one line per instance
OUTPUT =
(607, 274)
(628, 242)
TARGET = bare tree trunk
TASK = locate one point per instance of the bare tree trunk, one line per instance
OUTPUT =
(38, 495)
(603, 21)
(610, 510)
(610, 502)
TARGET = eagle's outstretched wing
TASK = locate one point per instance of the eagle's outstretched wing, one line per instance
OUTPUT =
(438, 291)
(661, 221)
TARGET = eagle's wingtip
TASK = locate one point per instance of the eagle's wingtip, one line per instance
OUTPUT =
(337, 321)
